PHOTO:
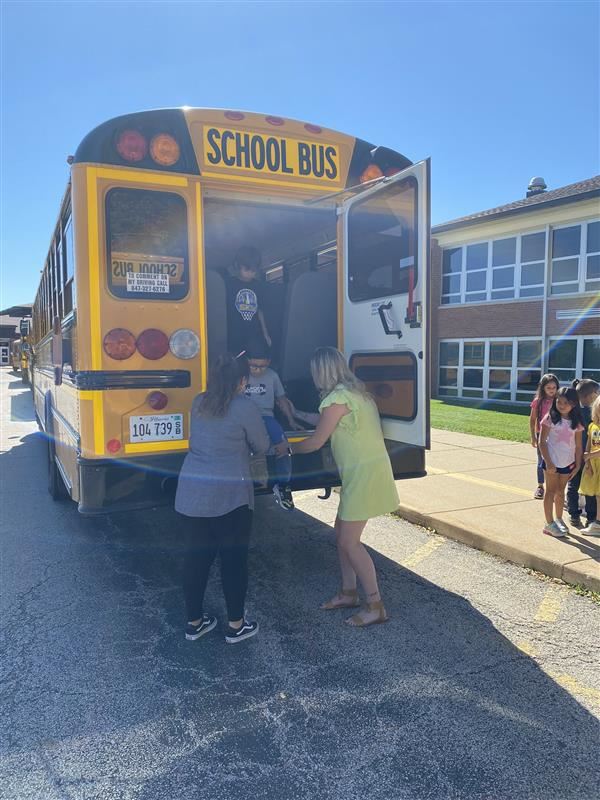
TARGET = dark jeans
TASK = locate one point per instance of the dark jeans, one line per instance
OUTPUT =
(540, 469)
(573, 499)
(205, 537)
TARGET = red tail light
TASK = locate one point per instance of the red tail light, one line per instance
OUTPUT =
(157, 400)
(153, 344)
(119, 344)
(113, 446)
(132, 146)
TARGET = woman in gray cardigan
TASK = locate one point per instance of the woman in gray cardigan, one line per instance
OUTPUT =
(215, 494)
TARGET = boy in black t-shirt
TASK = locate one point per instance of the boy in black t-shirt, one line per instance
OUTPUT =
(245, 319)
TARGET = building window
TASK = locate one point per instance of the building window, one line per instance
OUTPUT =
(574, 357)
(576, 259)
(498, 270)
(451, 272)
(592, 260)
(490, 369)
(533, 260)
(448, 382)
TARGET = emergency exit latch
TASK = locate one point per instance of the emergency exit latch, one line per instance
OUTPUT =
(384, 320)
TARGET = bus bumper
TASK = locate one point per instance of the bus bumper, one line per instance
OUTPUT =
(108, 487)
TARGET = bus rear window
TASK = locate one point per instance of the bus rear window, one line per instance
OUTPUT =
(147, 245)
(382, 242)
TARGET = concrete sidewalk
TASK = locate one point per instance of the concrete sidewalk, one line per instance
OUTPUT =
(480, 492)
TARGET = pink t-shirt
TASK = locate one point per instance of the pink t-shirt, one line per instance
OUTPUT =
(545, 409)
(561, 441)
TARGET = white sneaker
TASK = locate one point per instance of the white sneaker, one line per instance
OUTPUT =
(561, 525)
(552, 529)
(593, 529)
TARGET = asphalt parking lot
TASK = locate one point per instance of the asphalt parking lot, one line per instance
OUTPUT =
(484, 684)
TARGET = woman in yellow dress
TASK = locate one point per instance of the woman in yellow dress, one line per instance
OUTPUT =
(349, 416)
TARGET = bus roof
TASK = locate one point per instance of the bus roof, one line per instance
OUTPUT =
(240, 145)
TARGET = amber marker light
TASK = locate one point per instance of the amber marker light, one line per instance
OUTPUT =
(113, 446)
(164, 150)
(153, 344)
(132, 146)
(371, 172)
(119, 344)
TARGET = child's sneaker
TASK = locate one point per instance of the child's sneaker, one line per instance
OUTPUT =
(245, 631)
(552, 529)
(193, 632)
(283, 496)
(561, 525)
(575, 521)
(592, 529)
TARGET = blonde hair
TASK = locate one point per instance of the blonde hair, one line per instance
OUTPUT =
(596, 411)
(329, 369)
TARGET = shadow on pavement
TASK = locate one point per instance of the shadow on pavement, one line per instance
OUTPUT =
(106, 699)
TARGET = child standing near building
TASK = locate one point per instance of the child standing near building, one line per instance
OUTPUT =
(540, 406)
(560, 445)
(587, 391)
(265, 388)
(590, 481)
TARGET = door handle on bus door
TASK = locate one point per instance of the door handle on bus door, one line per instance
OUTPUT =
(382, 309)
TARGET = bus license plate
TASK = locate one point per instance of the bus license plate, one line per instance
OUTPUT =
(155, 427)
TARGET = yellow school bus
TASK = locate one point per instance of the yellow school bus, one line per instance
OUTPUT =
(132, 307)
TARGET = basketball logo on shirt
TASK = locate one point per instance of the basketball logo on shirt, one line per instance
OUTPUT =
(246, 303)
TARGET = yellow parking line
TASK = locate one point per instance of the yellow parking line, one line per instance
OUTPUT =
(568, 682)
(574, 687)
(481, 482)
(549, 608)
(526, 647)
(422, 552)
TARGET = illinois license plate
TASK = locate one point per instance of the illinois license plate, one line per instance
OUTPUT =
(155, 427)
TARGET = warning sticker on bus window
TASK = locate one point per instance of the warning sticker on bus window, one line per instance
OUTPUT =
(158, 284)
(145, 273)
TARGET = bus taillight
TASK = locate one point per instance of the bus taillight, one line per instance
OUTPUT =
(113, 446)
(132, 146)
(157, 400)
(164, 150)
(119, 344)
(153, 344)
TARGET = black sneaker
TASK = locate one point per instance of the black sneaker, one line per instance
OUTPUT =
(245, 631)
(575, 521)
(283, 496)
(193, 632)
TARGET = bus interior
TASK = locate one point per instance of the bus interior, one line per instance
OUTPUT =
(299, 280)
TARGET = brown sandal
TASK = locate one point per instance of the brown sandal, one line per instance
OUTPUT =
(353, 600)
(357, 621)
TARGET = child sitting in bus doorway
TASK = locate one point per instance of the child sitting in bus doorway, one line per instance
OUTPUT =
(245, 318)
(265, 389)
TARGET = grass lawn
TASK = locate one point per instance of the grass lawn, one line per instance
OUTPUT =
(482, 419)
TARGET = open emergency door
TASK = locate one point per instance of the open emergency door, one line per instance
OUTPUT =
(384, 233)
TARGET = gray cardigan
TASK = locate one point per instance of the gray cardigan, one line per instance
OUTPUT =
(215, 477)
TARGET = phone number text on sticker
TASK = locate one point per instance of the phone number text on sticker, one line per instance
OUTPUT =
(155, 427)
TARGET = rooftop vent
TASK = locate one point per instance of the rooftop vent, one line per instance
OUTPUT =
(536, 186)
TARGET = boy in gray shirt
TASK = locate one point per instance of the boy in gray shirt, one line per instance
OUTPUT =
(265, 389)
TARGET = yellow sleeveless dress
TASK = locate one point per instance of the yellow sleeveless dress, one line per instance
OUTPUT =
(368, 486)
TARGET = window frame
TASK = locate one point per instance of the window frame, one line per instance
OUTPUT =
(516, 288)
(187, 266)
(487, 393)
